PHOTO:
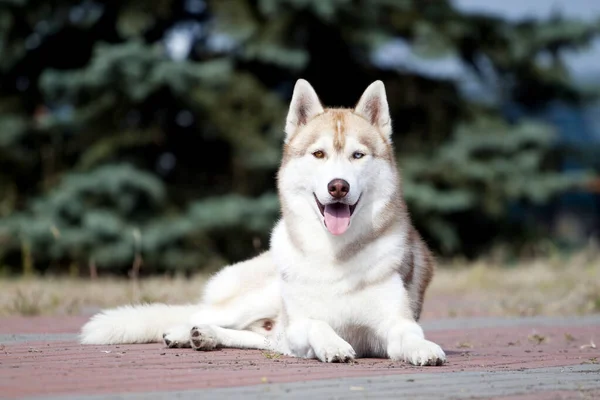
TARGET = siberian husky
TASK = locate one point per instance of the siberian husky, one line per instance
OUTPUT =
(346, 272)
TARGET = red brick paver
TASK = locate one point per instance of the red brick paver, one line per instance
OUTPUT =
(71, 324)
(59, 367)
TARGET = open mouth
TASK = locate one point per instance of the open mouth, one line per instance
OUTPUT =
(337, 215)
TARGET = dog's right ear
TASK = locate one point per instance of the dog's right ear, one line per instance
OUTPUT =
(304, 106)
(373, 106)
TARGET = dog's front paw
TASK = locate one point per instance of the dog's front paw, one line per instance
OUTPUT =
(203, 337)
(420, 352)
(178, 336)
(337, 352)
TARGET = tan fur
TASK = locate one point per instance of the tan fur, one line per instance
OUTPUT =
(417, 271)
(335, 121)
(339, 137)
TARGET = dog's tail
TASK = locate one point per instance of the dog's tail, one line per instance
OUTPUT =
(134, 324)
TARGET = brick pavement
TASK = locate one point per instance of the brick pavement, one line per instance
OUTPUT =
(523, 357)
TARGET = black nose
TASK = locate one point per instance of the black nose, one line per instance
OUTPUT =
(338, 188)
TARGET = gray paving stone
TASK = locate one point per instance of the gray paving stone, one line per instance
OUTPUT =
(36, 337)
(453, 385)
(508, 322)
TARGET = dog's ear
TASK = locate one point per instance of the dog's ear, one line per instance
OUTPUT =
(374, 107)
(304, 106)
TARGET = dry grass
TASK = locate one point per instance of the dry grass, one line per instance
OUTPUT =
(53, 296)
(552, 286)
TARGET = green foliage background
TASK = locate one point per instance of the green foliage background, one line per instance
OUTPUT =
(110, 147)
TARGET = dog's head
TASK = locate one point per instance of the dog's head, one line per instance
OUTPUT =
(337, 161)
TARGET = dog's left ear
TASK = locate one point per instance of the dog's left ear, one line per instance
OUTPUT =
(374, 107)
(305, 105)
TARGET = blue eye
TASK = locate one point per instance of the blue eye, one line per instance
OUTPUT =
(357, 155)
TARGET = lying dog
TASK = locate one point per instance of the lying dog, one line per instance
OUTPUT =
(346, 272)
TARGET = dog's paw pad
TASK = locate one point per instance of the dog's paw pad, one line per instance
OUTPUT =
(173, 344)
(166, 340)
(341, 353)
(424, 352)
(338, 358)
(203, 337)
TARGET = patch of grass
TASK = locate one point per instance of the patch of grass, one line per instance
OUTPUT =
(537, 338)
(544, 286)
(464, 345)
(72, 296)
(596, 303)
(26, 304)
(550, 286)
(271, 355)
(569, 338)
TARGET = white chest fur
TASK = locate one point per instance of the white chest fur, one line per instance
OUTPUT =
(360, 298)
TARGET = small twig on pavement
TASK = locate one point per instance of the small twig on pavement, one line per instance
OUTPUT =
(589, 345)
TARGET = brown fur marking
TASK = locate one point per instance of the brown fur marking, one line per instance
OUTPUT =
(298, 144)
(381, 135)
(417, 270)
(395, 210)
(372, 108)
(339, 135)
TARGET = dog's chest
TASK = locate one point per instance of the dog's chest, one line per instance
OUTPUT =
(361, 317)
(344, 304)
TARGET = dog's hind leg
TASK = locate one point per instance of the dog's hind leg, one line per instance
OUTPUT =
(247, 312)
(258, 321)
(177, 336)
(227, 317)
(209, 337)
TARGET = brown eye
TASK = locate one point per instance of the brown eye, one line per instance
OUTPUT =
(318, 154)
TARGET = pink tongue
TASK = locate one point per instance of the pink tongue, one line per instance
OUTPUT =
(337, 218)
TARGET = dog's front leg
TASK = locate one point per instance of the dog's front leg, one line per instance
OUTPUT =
(407, 342)
(310, 338)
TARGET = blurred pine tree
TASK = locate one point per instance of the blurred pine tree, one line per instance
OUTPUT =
(155, 127)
